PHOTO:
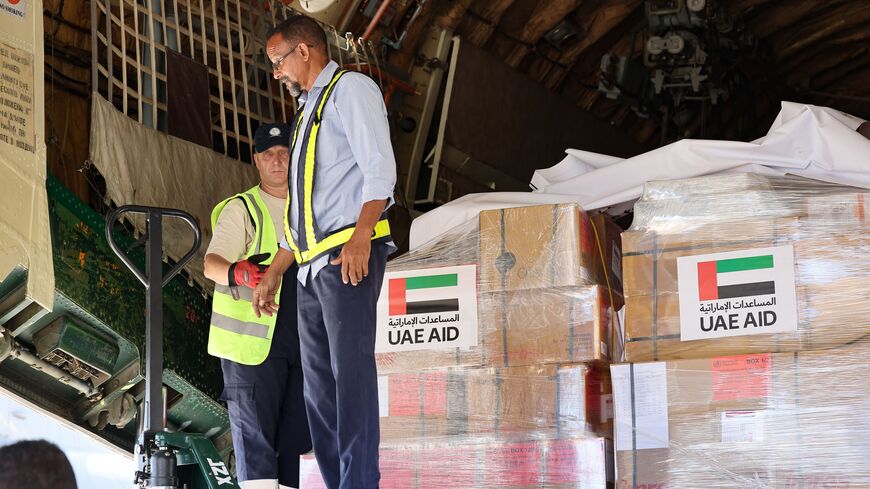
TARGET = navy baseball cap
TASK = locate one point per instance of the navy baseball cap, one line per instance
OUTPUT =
(268, 135)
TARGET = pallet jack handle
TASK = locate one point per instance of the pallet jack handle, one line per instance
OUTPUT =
(161, 470)
(154, 281)
(153, 215)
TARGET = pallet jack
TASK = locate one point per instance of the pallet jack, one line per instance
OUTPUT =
(165, 460)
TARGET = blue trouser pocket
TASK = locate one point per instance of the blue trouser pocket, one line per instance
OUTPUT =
(252, 448)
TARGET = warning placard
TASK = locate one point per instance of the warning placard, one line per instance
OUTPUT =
(14, 8)
(428, 309)
(737, 293)
(17, 126)
(741, 377)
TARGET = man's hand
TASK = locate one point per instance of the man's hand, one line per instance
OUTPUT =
(263, 300)
(247, 272)
(354, 257)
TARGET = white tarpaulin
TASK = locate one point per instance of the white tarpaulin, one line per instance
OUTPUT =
(804, 140)
(146, 167)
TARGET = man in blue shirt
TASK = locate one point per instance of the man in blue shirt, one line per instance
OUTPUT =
(342, 176)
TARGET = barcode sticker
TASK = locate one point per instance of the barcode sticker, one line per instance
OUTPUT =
(742, 426)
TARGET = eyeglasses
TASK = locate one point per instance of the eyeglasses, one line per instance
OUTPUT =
(278, 62)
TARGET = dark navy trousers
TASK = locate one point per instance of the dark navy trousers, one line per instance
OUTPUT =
(266, 404)
(337, 333)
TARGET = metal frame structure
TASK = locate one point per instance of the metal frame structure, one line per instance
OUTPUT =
(129, 47)
(437, 151)
(129, 44)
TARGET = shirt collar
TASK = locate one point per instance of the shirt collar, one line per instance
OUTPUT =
(325, 75)
(323, 79)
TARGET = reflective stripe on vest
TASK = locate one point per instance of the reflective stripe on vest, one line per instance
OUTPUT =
(310, 243)
(236, 333)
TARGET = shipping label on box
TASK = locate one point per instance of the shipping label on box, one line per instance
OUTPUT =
(737, 293)
(640, 396)
(741, 377)
(428, 309)
(742, 426)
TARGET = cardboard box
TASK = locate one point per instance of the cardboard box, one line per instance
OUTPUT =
(546, 402)
(537, 247)
(526, 327)
(830, 286)
(585, 463)
(770, 420)
(609, 236)
(559, 325)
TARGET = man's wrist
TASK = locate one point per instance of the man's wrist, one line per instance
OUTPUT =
(231, 275)
(363, 231)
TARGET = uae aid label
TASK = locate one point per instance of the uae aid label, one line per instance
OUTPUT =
(428, 309)
(737, 293)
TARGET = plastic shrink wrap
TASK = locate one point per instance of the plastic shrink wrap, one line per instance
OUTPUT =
(479, 463)
(543, 295)
(821, 227)
(771, 420)
(527, 401)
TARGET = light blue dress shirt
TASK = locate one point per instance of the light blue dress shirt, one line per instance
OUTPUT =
(354, 161)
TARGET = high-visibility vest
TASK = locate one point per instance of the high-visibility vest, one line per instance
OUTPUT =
(311, 242)
(236, 333)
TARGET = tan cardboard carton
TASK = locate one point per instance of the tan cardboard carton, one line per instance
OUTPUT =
(526, 327)
(829, 279)
(582, 463)
(768, 420)
(546, 402)
(537, 247)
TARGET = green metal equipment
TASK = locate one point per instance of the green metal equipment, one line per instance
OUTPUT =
(83, 360)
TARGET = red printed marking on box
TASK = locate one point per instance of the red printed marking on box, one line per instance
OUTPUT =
(404, 395)
(741, 377)
(514, 464)
(435, 394)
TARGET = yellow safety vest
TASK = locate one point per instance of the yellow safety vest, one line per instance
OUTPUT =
(311, 242)
(236, 333)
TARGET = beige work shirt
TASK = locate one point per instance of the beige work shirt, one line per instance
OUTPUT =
(233, 232)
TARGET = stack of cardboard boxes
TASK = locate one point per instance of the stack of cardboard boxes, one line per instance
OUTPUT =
(529, 404)
(747, 326)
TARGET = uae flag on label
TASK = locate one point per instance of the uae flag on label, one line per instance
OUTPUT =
(424, 294)
(736, 277)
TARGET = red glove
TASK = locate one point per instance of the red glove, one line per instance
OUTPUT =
(247, 272)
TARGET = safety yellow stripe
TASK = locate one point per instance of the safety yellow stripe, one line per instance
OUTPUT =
(251, 202)
(308, 182)
(287, 232)
(245, 293)
(382, 229)
(309, 187)
(225, 305)
(315, 248)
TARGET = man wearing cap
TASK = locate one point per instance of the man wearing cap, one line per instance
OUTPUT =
(260, 356)
(341, 181)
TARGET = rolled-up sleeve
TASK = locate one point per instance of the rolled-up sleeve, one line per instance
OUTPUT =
(283, 243)
(363, 115)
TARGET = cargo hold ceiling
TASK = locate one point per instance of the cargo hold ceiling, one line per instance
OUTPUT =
(803, 51)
